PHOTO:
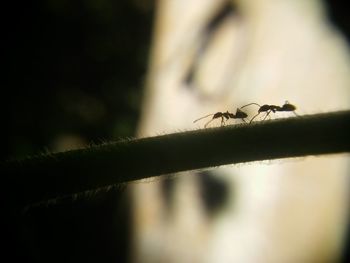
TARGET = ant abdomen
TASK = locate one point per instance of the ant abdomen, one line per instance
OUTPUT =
(288, 107)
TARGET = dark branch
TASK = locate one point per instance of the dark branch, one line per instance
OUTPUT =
(48, 176)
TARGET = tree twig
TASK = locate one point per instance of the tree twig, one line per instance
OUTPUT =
(48, 176)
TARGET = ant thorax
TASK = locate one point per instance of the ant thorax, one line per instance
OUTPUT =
(265, 107)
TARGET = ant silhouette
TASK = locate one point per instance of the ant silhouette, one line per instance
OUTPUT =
(224, 115)
(272, 108)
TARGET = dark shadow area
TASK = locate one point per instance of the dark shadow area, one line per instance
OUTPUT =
(74, 69)
(74, 73)
(338, 15)
(168, 186)
(226, 10)
(90, 229)
(94, 227)
(214, 192)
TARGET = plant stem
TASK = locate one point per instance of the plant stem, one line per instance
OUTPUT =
(48, 176)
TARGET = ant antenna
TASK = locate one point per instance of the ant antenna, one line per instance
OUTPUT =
(254, 117)
(221, 115)
(203, 118)
(253, 103)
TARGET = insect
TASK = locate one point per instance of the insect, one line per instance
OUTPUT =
(225, 115)
(272, 108)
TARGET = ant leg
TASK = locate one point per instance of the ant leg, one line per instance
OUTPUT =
(267, 114)
(297, 115)
(222, 121)
(254, 117)
(205, 126)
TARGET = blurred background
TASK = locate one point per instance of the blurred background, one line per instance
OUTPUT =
(74, 74)
(85, 72)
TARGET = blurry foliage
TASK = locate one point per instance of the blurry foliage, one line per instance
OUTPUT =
(76, 69)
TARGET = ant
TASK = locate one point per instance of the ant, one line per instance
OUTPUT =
(272, 108)
(225, 115)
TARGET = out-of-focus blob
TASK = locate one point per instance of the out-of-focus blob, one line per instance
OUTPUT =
(206, 60)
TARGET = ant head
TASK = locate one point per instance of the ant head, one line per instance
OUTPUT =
(241, 114)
